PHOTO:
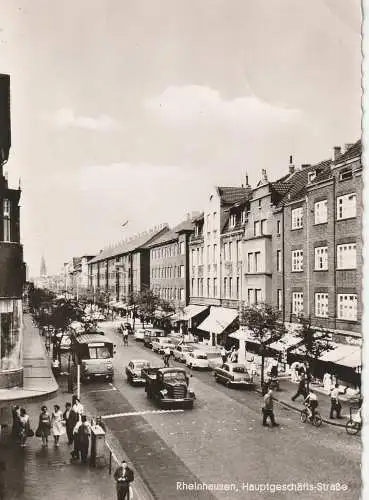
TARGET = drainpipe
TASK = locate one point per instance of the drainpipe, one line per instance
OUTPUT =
(283, 272)
(334, 255)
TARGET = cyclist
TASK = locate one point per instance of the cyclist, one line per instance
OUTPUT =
(311, 403)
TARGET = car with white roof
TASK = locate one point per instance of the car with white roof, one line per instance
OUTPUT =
(232, 374)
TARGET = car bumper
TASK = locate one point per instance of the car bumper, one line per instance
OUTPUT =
(177, 403)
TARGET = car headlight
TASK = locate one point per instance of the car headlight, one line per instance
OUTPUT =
(164, 392)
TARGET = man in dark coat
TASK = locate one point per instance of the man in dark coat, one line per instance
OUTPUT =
(123, 477)
(70, 419)
(268, 411)
(301, 390)
(83, 435)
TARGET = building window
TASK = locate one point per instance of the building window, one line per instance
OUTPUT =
(257, 228)
(279, 260)
(347, 306)
(279, 300)
(264, 226)
(278, 227)
(225, 287)
(258, 296)
(6, 220)
(345, 175)
(346, 206)
(257, 256)
(250, 296)
(215, 288)
(230, 293)
(297, 303)
(182, 272)
(249, 262)
(321, 212)
(346, 256)
(232, 220)
(208, 287)
(182, 295)
(193, 257)
(193, 286)
(239, 250)
(312, 175)
(182, 247)
(296, 217)
(208, 254)
(230, 253)
(202, 287)
(238, 287)
(321, 258)
(198, 287)
(215, 253)
(243, 216)
(297, 260)
(321, 305)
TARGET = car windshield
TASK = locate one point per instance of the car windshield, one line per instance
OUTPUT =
(201, 356)
(187, 349)
(141, 364)
(175, 377)
(212, 355)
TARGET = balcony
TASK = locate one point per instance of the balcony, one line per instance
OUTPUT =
(196, 237)
(200, 271)
(228, 267)
(215, 268)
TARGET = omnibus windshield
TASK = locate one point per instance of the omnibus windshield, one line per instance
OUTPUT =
(99, 352)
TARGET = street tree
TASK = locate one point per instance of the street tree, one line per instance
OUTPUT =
(265, 324)
(314, 343)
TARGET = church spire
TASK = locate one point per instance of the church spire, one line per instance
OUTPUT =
(43, 267)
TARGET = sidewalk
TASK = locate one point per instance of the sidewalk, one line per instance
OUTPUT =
(39, 381)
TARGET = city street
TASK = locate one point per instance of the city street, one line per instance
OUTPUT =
(221, 440)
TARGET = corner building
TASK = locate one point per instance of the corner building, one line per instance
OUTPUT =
(12, 271)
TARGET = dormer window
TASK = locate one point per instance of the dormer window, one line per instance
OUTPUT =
(312, 175)
(232, 220)
(346, 174)
(243, 216)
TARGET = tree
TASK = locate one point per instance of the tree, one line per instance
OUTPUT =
(265, 325)
(313, 344)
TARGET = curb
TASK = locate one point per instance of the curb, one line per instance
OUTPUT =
(298, 410)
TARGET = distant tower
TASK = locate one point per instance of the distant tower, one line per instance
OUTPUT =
(43, 267)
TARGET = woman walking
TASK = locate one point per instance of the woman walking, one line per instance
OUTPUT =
(57, 424)
(44, 426)
(24, 427)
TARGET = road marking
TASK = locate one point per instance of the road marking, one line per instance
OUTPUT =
(102, 390)
(137, 413)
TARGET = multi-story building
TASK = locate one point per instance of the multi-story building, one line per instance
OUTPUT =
(169, 265)
(317, 256)
(11, 259)
(123, 269)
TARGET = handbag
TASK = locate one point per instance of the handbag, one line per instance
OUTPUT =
(38, 432)
(30, 432)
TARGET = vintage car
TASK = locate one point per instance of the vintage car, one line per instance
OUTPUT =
(181, 350)
(160, 344)
(232, 374)
(151, 335)
(134, 371)
(201, 358)
(169, 387)
(139, 334)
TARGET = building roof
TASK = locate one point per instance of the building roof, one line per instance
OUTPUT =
(130, 245)
(352, 152)
(171, 234)
(230, 195)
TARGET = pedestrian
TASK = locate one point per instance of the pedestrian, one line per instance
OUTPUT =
(327, 382)
(24, 427)
(335, 402)
(57, 424)
(76, 448)
(223, 354)
(294, 372)
(84, 433)
(125, 337)
(124, 476)
(70, 422)
(232, 355)
(311, 403)
(166, 356)
(100, 423)
(15, 415)
(56, 367)
(267, 409)
(301, 390)
(44, 426)
(77, 407)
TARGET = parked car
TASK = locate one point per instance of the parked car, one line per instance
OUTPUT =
(233, 374)
(197, 359)
(134, 371)
(181, 350)
(159, 344)
(139, 334)
(215, 360)
(151, 335)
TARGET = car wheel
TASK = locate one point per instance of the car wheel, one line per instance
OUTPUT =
(217, 379)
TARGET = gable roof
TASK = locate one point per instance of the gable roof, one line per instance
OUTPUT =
(230, 195)
(128, 246)
(352, 152)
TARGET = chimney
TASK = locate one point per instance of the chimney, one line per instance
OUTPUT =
(247, 181)
(348, 145)
(291, 166)
(264, 175)
(336, 152)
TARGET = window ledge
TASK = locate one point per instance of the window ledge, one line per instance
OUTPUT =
(296, 228)
(346, 218)
(320, 270)
(346, 268)
(353, 321)
(320, 223)
(301, 271)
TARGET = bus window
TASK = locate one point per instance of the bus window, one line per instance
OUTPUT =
(99, 352)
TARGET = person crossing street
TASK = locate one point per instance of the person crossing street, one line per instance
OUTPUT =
(268, 411)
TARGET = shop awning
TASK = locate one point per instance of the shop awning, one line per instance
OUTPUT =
(218, 320)
(245, 335)
(188, 312)
(344, 355)
(286, 342)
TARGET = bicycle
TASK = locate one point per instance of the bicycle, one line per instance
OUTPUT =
(354, 424)
(316, 420)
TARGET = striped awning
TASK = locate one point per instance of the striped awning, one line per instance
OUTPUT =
(218, 320)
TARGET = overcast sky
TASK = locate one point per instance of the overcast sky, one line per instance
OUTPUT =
(133, 110)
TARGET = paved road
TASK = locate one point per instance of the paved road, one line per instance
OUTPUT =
(222, 441)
